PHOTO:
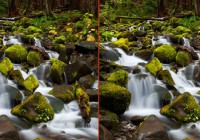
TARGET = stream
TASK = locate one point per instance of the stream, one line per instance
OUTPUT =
(67, 124)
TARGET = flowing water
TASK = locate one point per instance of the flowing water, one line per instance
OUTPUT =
(67, 123)
(145, 98)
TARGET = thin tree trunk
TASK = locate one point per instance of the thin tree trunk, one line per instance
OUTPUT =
(197, 7)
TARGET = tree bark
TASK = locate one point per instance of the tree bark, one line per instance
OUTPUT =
(197, 7)
(160, 8)
(48, 8)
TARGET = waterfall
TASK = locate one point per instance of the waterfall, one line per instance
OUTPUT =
(11, 40)
(160, 40)
(186, 42)
(38, 43)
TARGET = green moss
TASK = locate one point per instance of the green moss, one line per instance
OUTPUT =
(59, 40)
(184, 108)
(34, 58)
(16, 75)
(32, 30)
(16, 53)
(31, 83)
(119, 77)
(166, 75)
(181, 30)
(154, 66)
(165, 53)
(35, 109)
(183, 58)
(79, 25)
(114, 98)
(59, 48)
(6, 66)
(63, 92)
(122, 43)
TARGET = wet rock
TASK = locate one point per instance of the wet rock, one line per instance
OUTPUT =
(105, 134)
(6, 66)
(136, 70)
(35, 109)
(109, 55)
(31, 83)
(8, 130)
(193, 54)
(56, 103)
(66, 53)
(184, 109)
(34, 58)
(63, 92)
(154, 66)
(145, 54)
(59, 40)
(87, 81)
(93, 94)
(165, 75)
(122, 43)
(16, 76)
(109, 66)
(151, 129)
(16, 53)
(137, 119)
(140, 33)
(183, 58)
(40, 50)
(86, 47)
(94, 110)
(114, 98)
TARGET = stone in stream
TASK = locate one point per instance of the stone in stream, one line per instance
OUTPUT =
(151, 129)
(154, 66)
(93, 94)
(8, 130)
(183, 58)
(31, 83)
(184, 109)
(109, 55)
(34, 58)
(87, 81)
(114, 98)
(35, 109)
(105, 134)
(66, 53)
(165, 75)
(145, 54)
(16, 76)
(86, 47)
(6, 66)
(42, 52)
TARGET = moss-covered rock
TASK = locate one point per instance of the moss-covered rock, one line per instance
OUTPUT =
(154, 66)
(63, 92)
(16, 53)
(181, 30)
(84, 103)
(59, 48)
(16, 75)
(114, 98)
(6, 66)
(145, 54)
(183, 58)
(34, 58)
(59, 40)
(31, 83)
(165, 53)
(109, 119)
(184, 108)
(122, 43)
(35, 109)
(57, 70)
(166, 76)
(32, 30)
(119, 77)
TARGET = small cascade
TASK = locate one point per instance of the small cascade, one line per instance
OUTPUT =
(160, 40)
(141, 28)
(11, 40)
(186, 43)
(38, 43)
(113, 39)
(189, 71)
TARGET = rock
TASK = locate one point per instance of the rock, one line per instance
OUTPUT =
(151, 129)
(84, 103)
(87, 81)
(154, 66)
(6, 66)
(183, 58)
(136, 70)
(59, 48)
(59, 40)
(63, 92)
(184, 109)
(35, 109)
(93, 95)
(122, 43)
(66, 53)
(181, 30)
(109, 55)
(34, 58)
(140, 33)
(105, 134)
(136, 120)
(32, 30)
(114, 98)
(119, 77)
(86, 47)
(76, 70)
(8, 130)
(145, 54)
(176, 39)
(94, 110)
(193, 54)
(109, 66)
(108, 119)
(165, 53)
(31, 83)
(16, 76)
(56, 103)
(16, 53)
(166, 76)
(57, 71)
(40, 50)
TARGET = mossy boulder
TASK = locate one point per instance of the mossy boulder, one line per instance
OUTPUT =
(83, 102)
(166, 76)
(154, 66)
(145, 54)
(6, 66)
(165, 53)
(16, 53)
(59, 48)
(119, 77)
(114, 98)
(34, 58)
(57, 70)
(59, 40)
(32, 30)
(181, 30)
(63, 92)
(183, 58)
(109, 119)
(35, 109)
(87, 81)
(122, 43)
(184, 109)
(16, 75)
(31, 83)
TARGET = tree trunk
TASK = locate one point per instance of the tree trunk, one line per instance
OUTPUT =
(48, 8)
(11, 8)
(197, 7)
(160, 8)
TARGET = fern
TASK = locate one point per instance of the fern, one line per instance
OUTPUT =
(3, 7)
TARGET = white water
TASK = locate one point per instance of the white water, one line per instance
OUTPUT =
(186, 43)
(160, 40)
(11, 40)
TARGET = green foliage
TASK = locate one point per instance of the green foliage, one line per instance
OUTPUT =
(3, 7)
(190, 22)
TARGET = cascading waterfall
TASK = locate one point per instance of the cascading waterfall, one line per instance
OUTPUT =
(186, 42)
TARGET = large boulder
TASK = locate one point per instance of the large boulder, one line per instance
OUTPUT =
(109, 55)
(154, 66)
(145, 54)
(165, 53)
(8, 130)
(86, 47)
(105, 134)
(183, 58)
(31, 83)
(63, 92)
(16, 76)
(66, 53)
(87, 81)
(119, 77)
(6, 66)
(165, 75)
(151, 129)
(114, 98)
(16, 53)
(34, 58)
(122, 43)
(35, 109)
(184, 109)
